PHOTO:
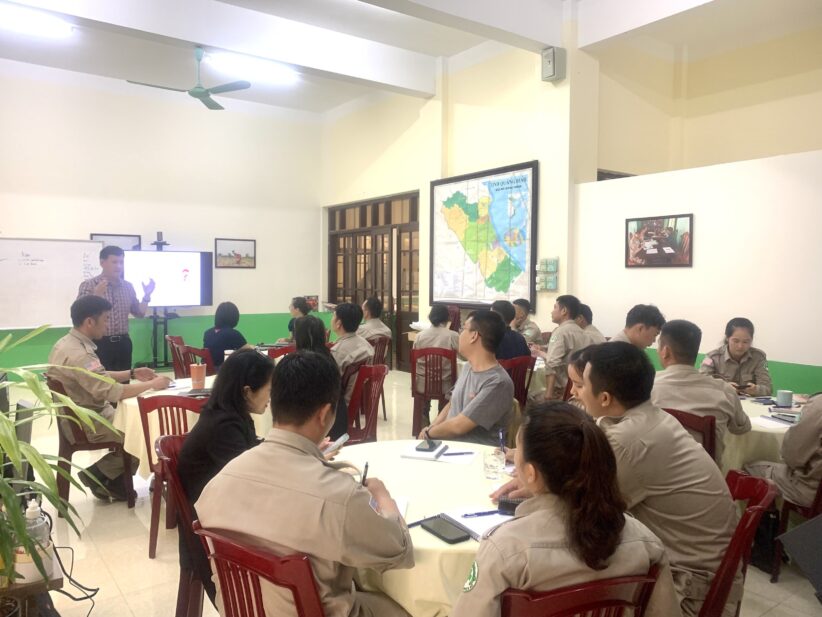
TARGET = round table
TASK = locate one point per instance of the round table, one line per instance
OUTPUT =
(430, 487)
(761, 443)
(127, 419)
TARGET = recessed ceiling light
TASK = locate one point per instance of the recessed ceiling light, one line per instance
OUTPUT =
(28, 21)
(255, 70)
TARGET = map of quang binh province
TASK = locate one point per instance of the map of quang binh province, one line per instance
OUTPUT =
(493, 230)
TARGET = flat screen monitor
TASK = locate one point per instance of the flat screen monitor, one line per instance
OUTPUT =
(182, 278)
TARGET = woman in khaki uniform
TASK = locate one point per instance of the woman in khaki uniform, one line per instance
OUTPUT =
(745, 367)
(573, 530)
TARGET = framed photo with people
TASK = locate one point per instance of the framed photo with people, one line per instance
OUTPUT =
(659, 241)
(234, 253)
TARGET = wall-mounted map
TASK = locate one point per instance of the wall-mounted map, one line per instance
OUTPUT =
(483, 228)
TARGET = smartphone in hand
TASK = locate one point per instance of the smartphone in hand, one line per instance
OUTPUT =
(333, 447)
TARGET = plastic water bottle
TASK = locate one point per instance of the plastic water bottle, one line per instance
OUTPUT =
(37, 527)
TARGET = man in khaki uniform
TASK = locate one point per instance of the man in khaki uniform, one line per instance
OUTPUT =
(439, 335)
(350, 347)
(642, 326)
(799, 476)
(89, 315)
(285, 497)
(667, 479)
(523, 323)
(373, 325)
(585, 320)
(565, 340)
(680, 386)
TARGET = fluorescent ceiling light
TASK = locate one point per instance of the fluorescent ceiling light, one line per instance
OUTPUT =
(252, 69)
(32, 22)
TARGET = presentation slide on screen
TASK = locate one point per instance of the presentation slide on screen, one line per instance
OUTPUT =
(177, 276)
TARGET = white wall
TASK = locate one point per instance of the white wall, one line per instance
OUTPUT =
(81, 154)
(755, 244)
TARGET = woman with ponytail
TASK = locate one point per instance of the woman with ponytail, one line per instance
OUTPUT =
(573, 530)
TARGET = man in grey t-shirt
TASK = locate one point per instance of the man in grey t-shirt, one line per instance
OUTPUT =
(483, 395)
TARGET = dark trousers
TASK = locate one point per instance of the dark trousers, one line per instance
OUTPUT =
(340, 426)
(115, 352)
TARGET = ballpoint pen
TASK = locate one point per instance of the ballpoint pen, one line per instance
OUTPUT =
(456, 453)
(476, 514)
(364, 473)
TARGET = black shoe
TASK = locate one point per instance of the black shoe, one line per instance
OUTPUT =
(88, 477)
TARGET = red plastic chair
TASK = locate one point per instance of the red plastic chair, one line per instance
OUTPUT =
(610, 597)
(521, 370)
(189, 588)
(176, 344)
(433, 387)
(172, 416)
(197, 355)
(240, 568)
(365, 399)
(278, 352)
(454, 317)
(566, 395)
(807, 512)
(66, 449)
(382, 352)
(759, 493)
(704, 425)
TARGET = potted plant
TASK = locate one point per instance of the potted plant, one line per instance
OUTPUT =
(14, 453)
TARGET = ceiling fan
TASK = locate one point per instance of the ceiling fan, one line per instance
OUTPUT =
(198, 92)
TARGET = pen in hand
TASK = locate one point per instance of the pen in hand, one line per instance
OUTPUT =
(364, 473)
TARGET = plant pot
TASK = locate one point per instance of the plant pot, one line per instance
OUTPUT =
(9, 607)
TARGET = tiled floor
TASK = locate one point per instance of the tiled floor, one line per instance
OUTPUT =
(112, 553)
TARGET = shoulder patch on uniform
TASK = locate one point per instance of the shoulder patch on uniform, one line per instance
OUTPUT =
(473, 575)
(708, 361)
(93, 365)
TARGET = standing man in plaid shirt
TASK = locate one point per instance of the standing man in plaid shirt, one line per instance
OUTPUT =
(114, 348)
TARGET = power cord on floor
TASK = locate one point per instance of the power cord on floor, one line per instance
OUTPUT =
(88, 593)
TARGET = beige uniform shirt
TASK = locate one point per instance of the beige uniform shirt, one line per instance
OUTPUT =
(283, 496)
(441, 337)
(682, 387)
(752, 368)
(349, 349)
(620, 337)
(594, 335)
(532, 552)
(530, 330)
(671, 484)
(77, 350)
(372, 328)
(566, 338)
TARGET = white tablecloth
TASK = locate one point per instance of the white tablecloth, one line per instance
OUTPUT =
(127, 419)
(432, 586)
(761, 443)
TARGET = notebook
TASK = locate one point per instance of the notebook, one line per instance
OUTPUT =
(412, 452)
(477, 526)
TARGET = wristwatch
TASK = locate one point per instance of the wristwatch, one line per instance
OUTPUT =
(427, 433)
(131, 374)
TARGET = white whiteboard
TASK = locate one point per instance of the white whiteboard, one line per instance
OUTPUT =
(39, 279)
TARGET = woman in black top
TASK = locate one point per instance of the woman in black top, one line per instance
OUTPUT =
(309, 334)
(224, 431)
(223, 335)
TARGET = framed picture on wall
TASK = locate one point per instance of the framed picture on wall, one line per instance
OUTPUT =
(659, 241)
(124, 241)
(233, 253)
(483, 236)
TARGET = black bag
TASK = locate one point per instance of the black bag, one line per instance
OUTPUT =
(764, 545)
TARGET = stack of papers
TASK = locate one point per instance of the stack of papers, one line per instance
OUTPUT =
(475, 526)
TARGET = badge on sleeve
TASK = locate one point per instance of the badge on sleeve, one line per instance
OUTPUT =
(707, 361)
(94, 365)
(472, 578)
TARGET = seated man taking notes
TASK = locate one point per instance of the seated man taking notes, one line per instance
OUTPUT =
(285, 497)
(483, 396)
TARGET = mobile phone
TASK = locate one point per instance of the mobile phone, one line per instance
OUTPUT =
(507, 505)
(429, 445)
(337, 444)
(444, 530)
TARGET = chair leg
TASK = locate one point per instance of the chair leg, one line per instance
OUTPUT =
(776, 566)
(416, 420)
(128, 478)
(156, 498)
(171, 507)
(382, 398)
(189, 595)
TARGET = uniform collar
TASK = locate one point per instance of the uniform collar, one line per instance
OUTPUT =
(373, 319)
(293, 440)
(86, 341)
(729, 358)
(543, 501)
(681, 368)
(342, 337)
(643, 408)
(568, 323)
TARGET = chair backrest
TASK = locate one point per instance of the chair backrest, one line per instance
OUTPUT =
(366, 399)
(704, 425)
(348, 374)
(610, 597)
(277, 352)
(382, 349)
(546, 337)
(78, 435)
(195, 355)
(167, 448)
(454, 317)
(566, 395)
(435, 358)
(513, 424)
(240, 568)
(176, 344)
(521, 370)
(759, 493)
(172, 415)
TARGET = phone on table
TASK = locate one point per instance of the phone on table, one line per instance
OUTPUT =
(429, 445)
(444, 530)
(333, 447)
